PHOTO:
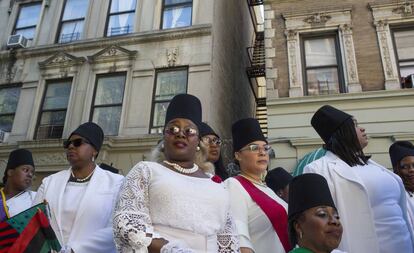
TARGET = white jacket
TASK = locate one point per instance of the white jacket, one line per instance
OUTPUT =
(92, 228)
(351, 200)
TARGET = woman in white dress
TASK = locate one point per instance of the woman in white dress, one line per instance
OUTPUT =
(402, 159)
(172, 205)
(370, 198)
(81, 199)
(18, 177)
(260, 215)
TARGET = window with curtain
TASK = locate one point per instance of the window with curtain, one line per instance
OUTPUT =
(322, 73)
(404, 43)
(121, 17)
(107, 104)
(53, 111)
(9, 97)
(72, 21)
(169, 82)
(27, 20)
(176, 13)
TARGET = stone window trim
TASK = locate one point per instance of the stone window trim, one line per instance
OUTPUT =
(387, 16)
(339, 21)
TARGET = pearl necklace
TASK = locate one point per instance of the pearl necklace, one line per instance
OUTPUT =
(82, 179)
(181, 169)
(253, 180)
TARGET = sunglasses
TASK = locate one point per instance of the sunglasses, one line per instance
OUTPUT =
(76, 143)
(257, 148)
(187, 131)
(210, 141)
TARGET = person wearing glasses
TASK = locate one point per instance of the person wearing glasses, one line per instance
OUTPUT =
(212, 140)
(81, 199)
(402, 159)
(260, 215)
(369, 197)
(171, 204)
(18, 177)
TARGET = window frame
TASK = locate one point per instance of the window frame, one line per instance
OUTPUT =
(176, 5)
(18, 85)
(93, 106)
(61, 22)
(26, 27)
(339, 65)
(398, 28)
(153, 102)
(109, 14)
(41, 111)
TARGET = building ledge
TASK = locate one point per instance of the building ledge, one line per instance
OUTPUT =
(341, 97)
(102, 42)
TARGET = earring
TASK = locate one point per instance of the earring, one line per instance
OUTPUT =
(198, 148)
(162, 145)
(300, 234)
(93, 158)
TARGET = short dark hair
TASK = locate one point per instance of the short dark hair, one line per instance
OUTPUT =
(345, 144)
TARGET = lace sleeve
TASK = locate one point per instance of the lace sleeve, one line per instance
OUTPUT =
(132, 222)
(227, 238)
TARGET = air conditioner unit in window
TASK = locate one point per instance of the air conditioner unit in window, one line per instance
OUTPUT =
(3, 136)
(16, 41)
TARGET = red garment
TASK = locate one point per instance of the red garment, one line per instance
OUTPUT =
(275, 212)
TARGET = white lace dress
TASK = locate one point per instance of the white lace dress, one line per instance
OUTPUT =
(156, 202)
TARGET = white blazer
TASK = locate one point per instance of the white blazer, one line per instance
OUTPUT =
(92, 228)
(351, 200)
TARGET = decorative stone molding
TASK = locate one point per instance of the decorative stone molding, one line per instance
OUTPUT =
(60, 65)
(61, 59)
(317, 19)
(385, 15)
(172, 56)
(112, 53)
(333, 20)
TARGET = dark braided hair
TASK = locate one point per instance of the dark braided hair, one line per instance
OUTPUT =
(345, 144)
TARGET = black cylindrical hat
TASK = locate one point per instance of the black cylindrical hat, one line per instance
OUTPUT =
(184, 106)
(19, 157)
(400, 149)
(92, 133)
(205, 129)
(278, 179)
(307, 191)
(327, 120)
(246, 131)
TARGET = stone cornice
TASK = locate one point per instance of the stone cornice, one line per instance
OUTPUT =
(341, 97)
(130, 39)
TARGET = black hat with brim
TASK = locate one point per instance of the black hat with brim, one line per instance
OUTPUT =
(307, 191)
(327, 120)
(278, 179)
(246, 131)
(400, 149)
(184, 106)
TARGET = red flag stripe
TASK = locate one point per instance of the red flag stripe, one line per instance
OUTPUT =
(26, 236)
(8, 232)
(7, 241)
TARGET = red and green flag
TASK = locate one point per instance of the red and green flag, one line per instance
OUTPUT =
(28, 232)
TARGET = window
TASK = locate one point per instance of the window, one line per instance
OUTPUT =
(121, 17)
(9, 97)
(176, 13)
(322, 73)
(169, 83)
(53, 111)
(404, 43)
(73, 18)
(107, 104)
(27, 20)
